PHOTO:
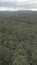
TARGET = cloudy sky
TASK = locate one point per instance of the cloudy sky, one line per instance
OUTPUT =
(18, 4)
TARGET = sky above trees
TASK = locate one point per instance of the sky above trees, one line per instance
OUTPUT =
(25, 4)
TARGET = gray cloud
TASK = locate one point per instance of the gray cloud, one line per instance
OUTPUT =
(19, 3)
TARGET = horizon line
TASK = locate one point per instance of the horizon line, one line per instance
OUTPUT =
(17, 9)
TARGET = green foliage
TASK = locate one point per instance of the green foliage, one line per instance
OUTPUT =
(20, 57)
(18, 40)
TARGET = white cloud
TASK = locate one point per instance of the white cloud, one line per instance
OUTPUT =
(8, 9)
(24, 1)
(7, 0)
(16, 9)
(32, 1)
(31, 4)
(20, 1)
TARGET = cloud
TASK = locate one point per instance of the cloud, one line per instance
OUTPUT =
(7, 0)
(16, 9)
(26, 4)
(20, 1)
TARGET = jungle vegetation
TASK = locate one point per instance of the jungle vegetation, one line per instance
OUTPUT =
(18, 39)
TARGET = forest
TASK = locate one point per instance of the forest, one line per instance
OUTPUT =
(18, 39)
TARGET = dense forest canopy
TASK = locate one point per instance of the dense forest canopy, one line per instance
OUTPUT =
(18, 40)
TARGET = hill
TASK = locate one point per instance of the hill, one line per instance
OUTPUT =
(8, 13)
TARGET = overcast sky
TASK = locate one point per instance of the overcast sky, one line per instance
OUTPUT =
(26, 4)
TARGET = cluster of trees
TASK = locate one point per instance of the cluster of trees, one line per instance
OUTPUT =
(18, 40)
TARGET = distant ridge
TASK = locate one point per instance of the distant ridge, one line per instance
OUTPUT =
(7, 13)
